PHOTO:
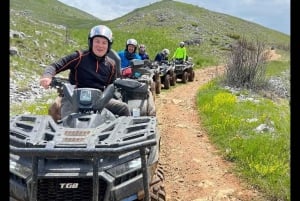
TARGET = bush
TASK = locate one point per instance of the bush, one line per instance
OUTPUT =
(246, 65)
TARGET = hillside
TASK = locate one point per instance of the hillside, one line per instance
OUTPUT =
(159, 25)
(43, 31)
(54, 12)
(210, 34)
(184, 21)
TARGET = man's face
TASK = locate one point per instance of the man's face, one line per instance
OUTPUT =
(100, 46)
(130, 48)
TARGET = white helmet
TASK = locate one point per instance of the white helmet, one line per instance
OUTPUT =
(142, 46)
(103, 31)
(166, 51)
(181, 44)
(131, 41)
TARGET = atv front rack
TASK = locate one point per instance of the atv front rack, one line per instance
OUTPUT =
(40, 137)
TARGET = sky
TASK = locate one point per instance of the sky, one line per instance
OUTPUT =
(273, 14)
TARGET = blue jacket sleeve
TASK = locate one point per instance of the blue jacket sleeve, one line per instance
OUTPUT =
(124, 61)
(137, 56)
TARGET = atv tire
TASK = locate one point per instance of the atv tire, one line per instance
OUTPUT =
(191, 76)
(167, 82)
(158, 86)
(184, 77)
(157, 188)
(54, 109)
(153, 90)
(173, 79)
(151, 109)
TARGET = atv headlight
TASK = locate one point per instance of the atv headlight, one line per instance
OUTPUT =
(20, 170)
(125, 168)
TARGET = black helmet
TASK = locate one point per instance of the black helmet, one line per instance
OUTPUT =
(103, 31)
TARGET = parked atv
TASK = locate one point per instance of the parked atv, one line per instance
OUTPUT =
(167, 74)
(89, 155)
(185, 71)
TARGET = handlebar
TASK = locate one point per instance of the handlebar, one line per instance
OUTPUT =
(58, 82)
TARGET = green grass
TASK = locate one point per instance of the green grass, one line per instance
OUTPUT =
(261, 158)
(39, 107)
(54, 12)
(275, 68)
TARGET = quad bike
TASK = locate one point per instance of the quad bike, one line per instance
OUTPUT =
(185, 71)
(145, 71)
(89, 155)
(156, 87)
(167, 74)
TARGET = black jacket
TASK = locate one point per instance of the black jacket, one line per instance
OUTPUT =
(86, 69)
(160, 57)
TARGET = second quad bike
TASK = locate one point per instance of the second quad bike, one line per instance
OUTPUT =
(146, 71)
(89, 155)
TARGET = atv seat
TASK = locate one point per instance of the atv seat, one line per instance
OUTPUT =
(133, 88)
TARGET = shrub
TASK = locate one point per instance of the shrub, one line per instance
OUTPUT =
(246, 65)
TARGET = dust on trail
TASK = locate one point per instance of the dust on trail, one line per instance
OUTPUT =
(194, 170)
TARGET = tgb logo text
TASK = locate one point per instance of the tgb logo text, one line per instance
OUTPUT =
(68, 185)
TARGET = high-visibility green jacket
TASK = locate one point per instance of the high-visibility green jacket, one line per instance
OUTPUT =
(180, 53)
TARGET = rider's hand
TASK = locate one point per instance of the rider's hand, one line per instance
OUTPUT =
(45, 82)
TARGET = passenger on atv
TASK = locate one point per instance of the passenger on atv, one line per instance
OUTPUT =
(162, 57)
(143, 53)
(129, 53)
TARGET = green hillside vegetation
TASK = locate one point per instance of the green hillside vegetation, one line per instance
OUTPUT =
(51, 30)
(55, 12)
(160, 25)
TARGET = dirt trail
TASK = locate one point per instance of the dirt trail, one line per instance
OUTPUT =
(273, 55)
(193, 169)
